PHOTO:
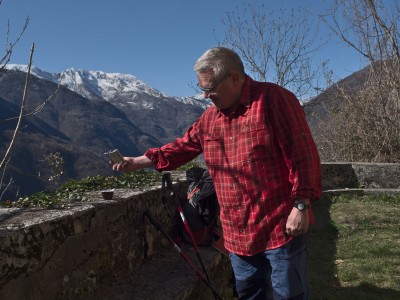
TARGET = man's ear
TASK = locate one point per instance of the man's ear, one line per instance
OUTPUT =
(237, 78)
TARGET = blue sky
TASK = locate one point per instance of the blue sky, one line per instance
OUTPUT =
(157, 41)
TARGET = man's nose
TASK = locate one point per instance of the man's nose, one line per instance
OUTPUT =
(208, 94)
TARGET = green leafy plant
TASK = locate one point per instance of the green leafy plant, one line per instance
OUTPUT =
(74, 191)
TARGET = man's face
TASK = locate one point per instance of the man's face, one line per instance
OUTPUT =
(222, 92)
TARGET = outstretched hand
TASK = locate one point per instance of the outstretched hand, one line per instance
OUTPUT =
(130, 164)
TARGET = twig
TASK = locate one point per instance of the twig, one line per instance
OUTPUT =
(6, 187)
(10, 45)
(3, 164)
(37, 109)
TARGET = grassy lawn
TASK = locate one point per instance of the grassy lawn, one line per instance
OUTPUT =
(354, 248)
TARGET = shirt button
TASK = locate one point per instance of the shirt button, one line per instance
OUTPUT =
(241, 229)
(236, 207)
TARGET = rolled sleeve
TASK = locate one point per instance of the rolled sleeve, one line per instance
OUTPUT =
(297, 144)
(177, 153)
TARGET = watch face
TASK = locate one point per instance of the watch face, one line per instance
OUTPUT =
(300, 206)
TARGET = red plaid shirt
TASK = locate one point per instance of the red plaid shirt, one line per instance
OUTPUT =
(261, 157)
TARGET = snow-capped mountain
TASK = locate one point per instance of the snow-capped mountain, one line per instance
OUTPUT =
(104, 85)
(96, 85)
(196, 100)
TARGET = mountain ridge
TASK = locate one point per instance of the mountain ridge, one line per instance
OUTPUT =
(105, 85)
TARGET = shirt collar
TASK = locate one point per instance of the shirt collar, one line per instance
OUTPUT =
(245, 98)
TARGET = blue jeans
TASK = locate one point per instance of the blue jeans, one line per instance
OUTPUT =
(286, 266)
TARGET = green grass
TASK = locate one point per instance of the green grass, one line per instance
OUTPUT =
(354, 248)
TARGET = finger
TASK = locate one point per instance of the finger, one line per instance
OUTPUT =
(117, 167)
(294, 232)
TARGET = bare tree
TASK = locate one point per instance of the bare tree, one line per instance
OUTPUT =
(6, 158)
(10, 44)
(3, 163)
(276, 46)
(366, 124)
(53, 160)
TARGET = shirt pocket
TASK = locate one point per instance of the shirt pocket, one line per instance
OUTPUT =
(255, 141)
(214, 150)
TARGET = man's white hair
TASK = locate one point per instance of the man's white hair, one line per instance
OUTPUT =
(220, 60)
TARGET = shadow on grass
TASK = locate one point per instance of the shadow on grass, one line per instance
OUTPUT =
(323, 236)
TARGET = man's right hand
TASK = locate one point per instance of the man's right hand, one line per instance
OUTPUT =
(130, 164)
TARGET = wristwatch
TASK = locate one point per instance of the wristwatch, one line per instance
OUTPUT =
(301, 205)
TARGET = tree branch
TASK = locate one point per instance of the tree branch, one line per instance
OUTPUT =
(3, 164)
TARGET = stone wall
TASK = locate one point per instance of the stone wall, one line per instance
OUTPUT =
(63, 254)
(360, 175)
(68, 254)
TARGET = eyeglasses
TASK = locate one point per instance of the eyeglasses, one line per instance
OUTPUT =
(209, 90)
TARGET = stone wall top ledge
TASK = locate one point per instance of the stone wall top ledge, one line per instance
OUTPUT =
(16, 218)
(359, 163)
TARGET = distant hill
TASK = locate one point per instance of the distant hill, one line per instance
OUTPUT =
(319, 108)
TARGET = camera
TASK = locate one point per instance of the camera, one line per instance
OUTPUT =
(115, 156)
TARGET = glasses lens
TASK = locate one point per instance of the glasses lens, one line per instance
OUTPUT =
(208, 90)
(205, 90)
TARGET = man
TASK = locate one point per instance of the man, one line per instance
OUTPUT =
(266, 172)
